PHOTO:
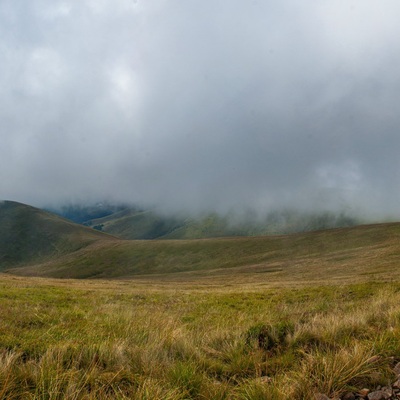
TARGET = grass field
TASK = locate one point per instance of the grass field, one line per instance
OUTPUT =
(195, 338)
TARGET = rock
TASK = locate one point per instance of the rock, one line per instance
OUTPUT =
(396, 369)
(364, 392)
(388, 390)
(379, 395)
(396, 385)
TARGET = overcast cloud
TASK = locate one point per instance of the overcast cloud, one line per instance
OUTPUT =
(201, 105)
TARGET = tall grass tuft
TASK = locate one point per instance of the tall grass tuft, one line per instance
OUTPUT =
(8, 375)
(332, 372)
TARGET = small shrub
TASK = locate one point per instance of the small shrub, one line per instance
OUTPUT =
(269, 337)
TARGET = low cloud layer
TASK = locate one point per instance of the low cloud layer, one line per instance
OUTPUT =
(214, 105)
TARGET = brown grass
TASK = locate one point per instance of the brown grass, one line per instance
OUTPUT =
(66, 339)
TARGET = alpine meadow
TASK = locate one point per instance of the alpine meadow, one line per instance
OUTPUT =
(270, 317)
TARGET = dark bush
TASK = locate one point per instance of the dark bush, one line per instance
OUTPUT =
(269, 337)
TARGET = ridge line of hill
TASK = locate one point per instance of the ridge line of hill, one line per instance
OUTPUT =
(34, 242)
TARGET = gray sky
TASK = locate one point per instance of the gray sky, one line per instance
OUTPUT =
(201, 105)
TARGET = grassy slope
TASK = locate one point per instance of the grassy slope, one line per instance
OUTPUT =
(28, 234)
(134, 224)
(339, 253)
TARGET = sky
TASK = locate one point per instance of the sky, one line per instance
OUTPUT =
(214, 105)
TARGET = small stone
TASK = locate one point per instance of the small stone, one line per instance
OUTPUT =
(379, 395)
(396, 369)
(364, 392)
(387, 390)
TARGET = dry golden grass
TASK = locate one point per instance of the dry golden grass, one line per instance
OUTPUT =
(66, 339)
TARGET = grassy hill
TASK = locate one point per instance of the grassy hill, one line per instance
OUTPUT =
(28, 234)
(358, 252)
(135, 224)
(80, 213)
(132, 223)
(38, 243)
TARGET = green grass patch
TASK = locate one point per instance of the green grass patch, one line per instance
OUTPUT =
(103, 341)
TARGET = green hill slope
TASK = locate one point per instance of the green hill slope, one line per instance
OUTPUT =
(134, 224)
(28, 234)
(363, 251)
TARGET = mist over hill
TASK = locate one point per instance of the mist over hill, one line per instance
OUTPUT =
(133, 222)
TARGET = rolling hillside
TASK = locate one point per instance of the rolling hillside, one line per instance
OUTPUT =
(347, 253)
(28, 234)
(38, 243)
(132, 223)
(135, 224)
